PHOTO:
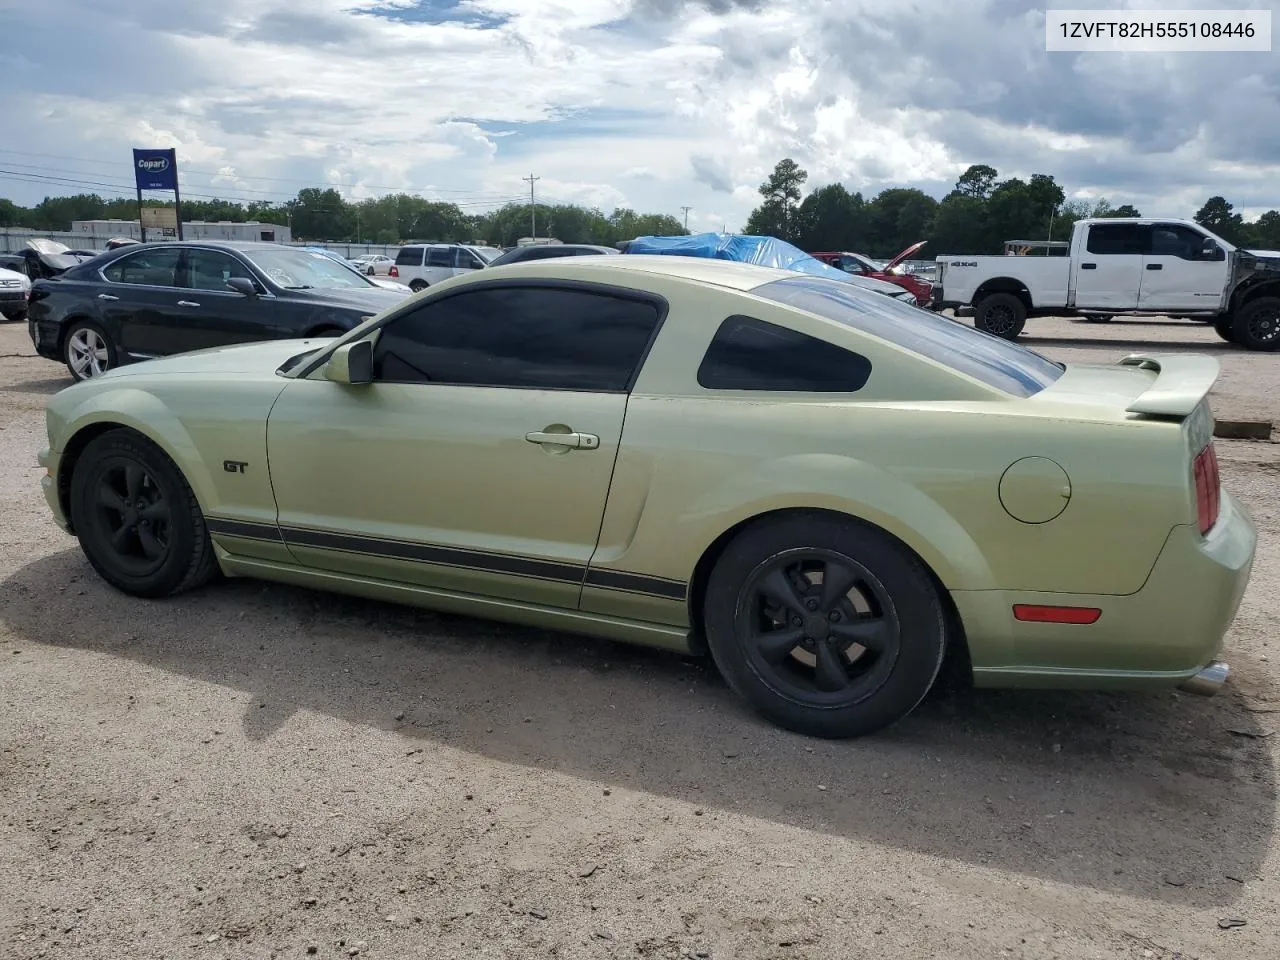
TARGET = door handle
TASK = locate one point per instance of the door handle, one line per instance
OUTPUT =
(574, 441)
(1088, 266)
(187, 303)
(1155, 266)
(107, 296)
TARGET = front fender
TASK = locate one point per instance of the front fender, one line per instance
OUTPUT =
(144, 412)
(853, 487)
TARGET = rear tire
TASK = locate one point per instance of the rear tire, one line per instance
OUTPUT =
(1257, 324)
(1000, 314)
(136, 518)
(839, 664)
(88, 351)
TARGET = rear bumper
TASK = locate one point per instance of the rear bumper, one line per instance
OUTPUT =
(1167, 634)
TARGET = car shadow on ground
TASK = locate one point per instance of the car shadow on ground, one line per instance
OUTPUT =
(47, 387)
(1151, 795)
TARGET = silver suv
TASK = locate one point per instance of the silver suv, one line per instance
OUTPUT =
(418, 265)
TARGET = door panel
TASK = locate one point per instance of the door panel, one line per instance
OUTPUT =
(222, 316)
(1177, 276)
(437, 485)
(139, 299)
(1109, 268)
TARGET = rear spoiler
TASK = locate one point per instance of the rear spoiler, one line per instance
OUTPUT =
(1182, 381)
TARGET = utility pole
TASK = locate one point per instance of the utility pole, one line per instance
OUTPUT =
(533, 207)
(686, 218)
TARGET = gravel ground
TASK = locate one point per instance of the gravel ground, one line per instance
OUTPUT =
(255, 771)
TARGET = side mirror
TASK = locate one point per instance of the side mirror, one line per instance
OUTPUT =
(351, 363)
(1209, 249)
(243, 285)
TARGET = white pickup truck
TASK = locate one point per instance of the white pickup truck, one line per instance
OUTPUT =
(1122, 266)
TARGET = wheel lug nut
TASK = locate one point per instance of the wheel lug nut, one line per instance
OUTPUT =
(812, 604)
(796, 621)
(835, 616)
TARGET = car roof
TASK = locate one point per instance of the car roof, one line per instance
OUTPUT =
(721, 273)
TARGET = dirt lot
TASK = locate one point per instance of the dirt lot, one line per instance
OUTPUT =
(254, 771)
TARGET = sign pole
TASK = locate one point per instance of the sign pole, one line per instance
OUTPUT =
(177, 200)
(141, 225)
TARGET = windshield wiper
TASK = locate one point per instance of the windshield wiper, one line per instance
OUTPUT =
(301, 286)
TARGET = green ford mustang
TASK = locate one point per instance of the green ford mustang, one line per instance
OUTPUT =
(825, 489)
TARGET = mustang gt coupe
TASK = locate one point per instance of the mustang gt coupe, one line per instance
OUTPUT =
(824, 489)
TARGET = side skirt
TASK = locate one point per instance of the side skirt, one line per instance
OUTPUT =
(671, 638)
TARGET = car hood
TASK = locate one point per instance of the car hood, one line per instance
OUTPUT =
(372, 299)
(905, 254)
(238, 360)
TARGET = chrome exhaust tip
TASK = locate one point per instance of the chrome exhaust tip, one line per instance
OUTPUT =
(1208, 681)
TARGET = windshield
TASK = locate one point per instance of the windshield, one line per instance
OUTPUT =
(988, 359)
(487, 254)
(306, 270)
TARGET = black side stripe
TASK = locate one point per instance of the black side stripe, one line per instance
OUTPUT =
(448, 556)
(243, 529)
(636, 583)
(453, 557)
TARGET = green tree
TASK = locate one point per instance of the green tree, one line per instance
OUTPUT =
(1217, 215)
(781, 194)
(831, 218)
(1266, 231)
(897, 218)
(977, 181)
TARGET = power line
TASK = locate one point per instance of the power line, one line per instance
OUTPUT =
(409, 188)
(24, 176)
(533, 207)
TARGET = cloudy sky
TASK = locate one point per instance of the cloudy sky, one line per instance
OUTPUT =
(653, 104)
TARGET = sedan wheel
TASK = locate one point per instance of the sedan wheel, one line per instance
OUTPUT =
(136, 518)
(824, 624)
(87, 351)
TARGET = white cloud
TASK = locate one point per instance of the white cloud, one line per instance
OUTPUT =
(652, 104)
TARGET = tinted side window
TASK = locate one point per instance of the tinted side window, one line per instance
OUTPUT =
(464, 259)
(1175, 240)
(1117, 239)
(750, 354)
(439, 257)
(157, 268)
(547, 338)
(210, 270)
(409, 257)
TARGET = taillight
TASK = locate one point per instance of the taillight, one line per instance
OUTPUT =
(1208, 487)
(393, 272)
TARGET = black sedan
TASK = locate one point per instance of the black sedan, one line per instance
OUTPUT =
(545, 251)
(155, 299)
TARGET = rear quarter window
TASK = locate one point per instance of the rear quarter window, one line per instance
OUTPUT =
(988, 359)
(409, 257)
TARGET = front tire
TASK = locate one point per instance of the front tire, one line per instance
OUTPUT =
(88, 351)
(1257, 324)
(825, 625)
(418, 286)
(136, 518)
(1001, 314)
(1223, 327)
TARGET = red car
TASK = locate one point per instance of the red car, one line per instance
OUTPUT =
(856, 263)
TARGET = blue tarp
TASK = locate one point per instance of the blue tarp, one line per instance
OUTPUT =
(765, 251)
